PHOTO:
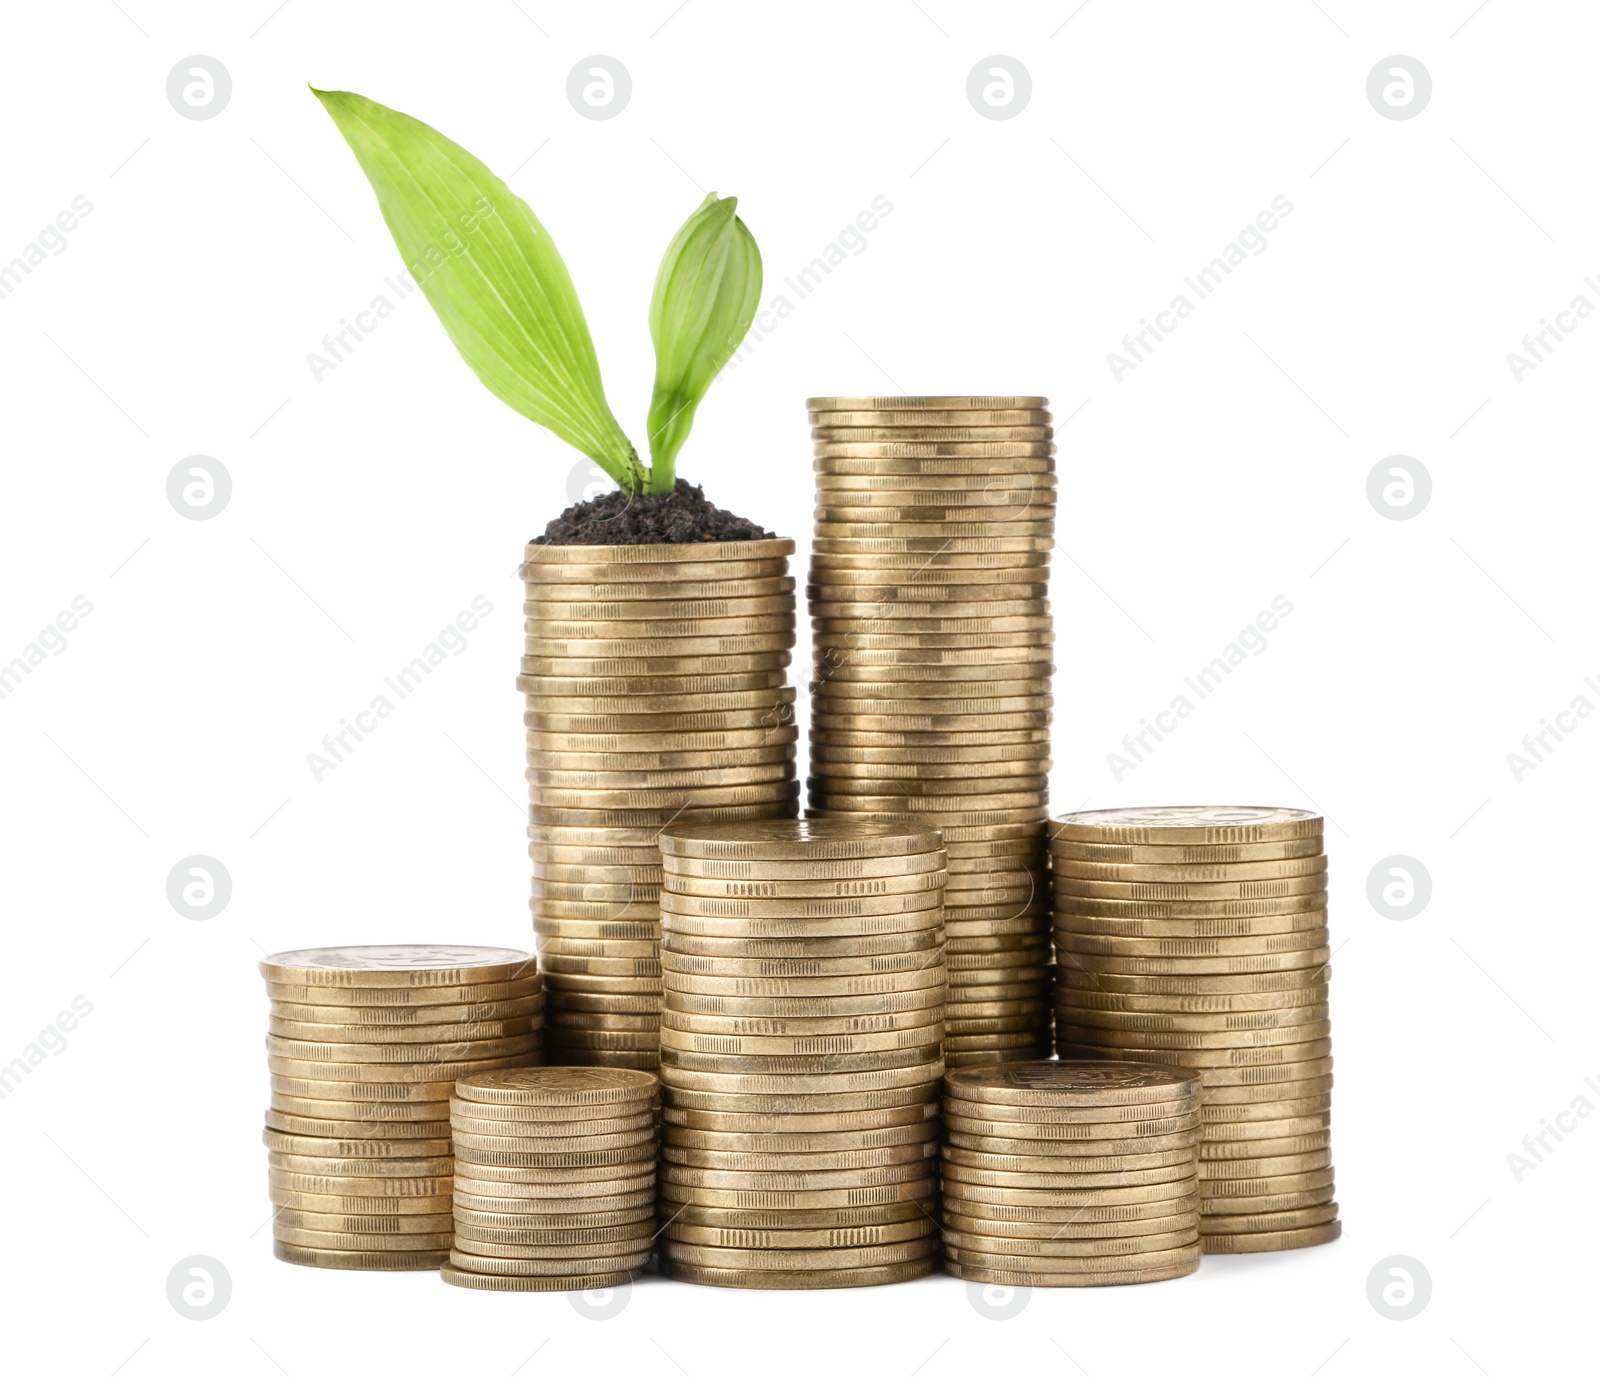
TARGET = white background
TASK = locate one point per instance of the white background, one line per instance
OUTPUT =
(372, 506)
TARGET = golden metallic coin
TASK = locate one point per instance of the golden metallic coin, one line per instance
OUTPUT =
(358, 1131)
(1231, 853)
(392, 1168)
(411, 967)
(594, 1281)
(1311, 958)
(1237, 1121)
(559, 1087)
(671, 574)
(356, 1023)
(395, 1188)
(1264, 1020)
(666, 611)
(1133, 1224)
(540, 554)
(1068, 888)
(375, 1205)
(1094, 1084)
(366, 1225)
(570, 1223)
(295, 1054)
(1206, 985)
(1031, 431)
(437, 998)
(847, 541)
(1105, 1251)
(819, 1280)
(1014, 1193)
(1260, 925)
(920, 881)
(1311, 1140)
(1273, 1241)
(1239, 871)
(417, 1260)
(675, 1016)
(415, 1075)
(665, 591)
(548, 1204)
(803, 1259)
(357, 1242)
(390, 1094)
(899, 416)
(735, 912)
(1188, 825)
(1307, 1217)
(1277, 942)
(1029, 1271)
(920, 406)
(545, 1267)
(1072, 1130)
(1198, 1059)
(793, 839)
(359, 1150)
(403, 1117)
(1253, 1207)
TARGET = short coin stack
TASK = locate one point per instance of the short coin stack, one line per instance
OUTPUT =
(364, 1044)
(1197, 937)
(931, 696)
(555, 1178)
(656, 689)
(1071, 1173)
(800, 1052)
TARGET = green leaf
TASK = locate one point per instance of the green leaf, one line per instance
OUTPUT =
(491, 273)
(704, 300)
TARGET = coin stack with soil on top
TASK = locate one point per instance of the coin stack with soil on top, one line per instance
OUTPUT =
(1071, 1173)
(656, 690)
(364, 1044)
(931, 695)
(800, 1052)
(1197, 937)
(554, 1178)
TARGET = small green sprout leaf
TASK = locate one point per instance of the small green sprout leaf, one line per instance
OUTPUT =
(704, 300)
(493, 276)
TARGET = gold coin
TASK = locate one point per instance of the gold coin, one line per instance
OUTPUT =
(1258, 926)
(570, 1223)
(401, 1116)
(1237, 1121)
(734, 912)
(417, 1260)
(837, 1159)
(919, 881)
(784, 1141)
(357, 1131)
(1030, 1271)
(899, 416)
(818, 1044)
(1070, 1130)
(1278, 1221)
(920, 406)
(608, 783)
(541, 1257)
(822, 1279)
(1069, 888)
(932, 449)
(413, 1074)
(771, 1087)
(558, 1087)
(593, 1281)
(1246, 1195)
(357, 1242)
(395, 1168)
(551, 1205)
(741, 1182)
(1277, 942)
(1105, 1251)
(390, 1094)
(1188, 1135)
(1297, 867)
(546, 1267)
(802, 1102)
(1131, 1222)
(794, 839)
(400, 1207)
(415, 966)
(597, 1149)
(1311, 1140)
(846, 541)
(1058, 1084)
(1215, 854)
(1252, 1207)
(536, 1122)
(355, 1023)
(651, 665)
(575, 1238)
(540, 554)
(665, 591)
(366, 1225)
(861, 984)
(803, 1259)
(295, 1052)
(676, 1059)
(1310, 958)
(544, 607)
(396, 1187)
(674, 1015)
(1276, 1241)
(437, 998)
(1204, 986)
(359, 1150)
(1009, 1195)
(1188, 826)
(1202, 1058)
(809, 1126)
(1268, 1020)
(773, 1241)
(645, 818)
(1033, 430)
(713, 568)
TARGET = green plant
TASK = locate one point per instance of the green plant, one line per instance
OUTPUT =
(499, 287)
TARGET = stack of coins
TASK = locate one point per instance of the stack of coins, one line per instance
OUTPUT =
(800, 1052)
(555, 1178)
(364, 1044)
(1197, 937)
(931, 694)
(655, 681)
(1071, 1173)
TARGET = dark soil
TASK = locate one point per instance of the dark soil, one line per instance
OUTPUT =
(683, 517)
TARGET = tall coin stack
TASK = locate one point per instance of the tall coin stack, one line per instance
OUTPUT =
(931, 694)
(555, 1178)
(1197, 937)
(1071, 1173)
(656, 690)
(800, 1052)
(364, 1044)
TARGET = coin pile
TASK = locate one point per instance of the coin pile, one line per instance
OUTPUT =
(364, 1044)
(1197, 937)
(931, 684)
(1071, 1173)
(555, 1178)
(656, 689)
(800, 1052)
